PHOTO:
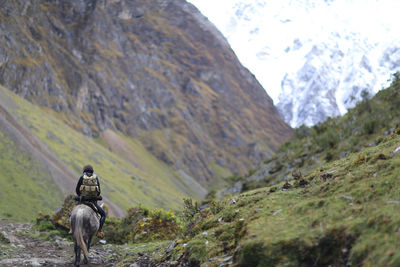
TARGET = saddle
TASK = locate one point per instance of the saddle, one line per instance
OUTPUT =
(88, 202)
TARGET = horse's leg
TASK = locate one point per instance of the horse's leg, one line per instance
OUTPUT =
(86, 260)
(77, 250)
(89, 242)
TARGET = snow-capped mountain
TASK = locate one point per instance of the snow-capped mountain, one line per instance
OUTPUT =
(314, 58)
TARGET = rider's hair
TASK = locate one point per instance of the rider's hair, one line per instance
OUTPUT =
(88, 168)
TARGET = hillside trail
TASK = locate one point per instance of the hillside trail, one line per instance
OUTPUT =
(25, 249)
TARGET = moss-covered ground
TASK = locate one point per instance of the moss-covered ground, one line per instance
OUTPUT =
(343, 213)
(365, 125)
(26, 186)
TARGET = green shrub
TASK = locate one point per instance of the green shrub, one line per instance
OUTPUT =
(252, 254)
(370, 126)
(196, 251)
(216, 207)
(3, 239)
(45, 226)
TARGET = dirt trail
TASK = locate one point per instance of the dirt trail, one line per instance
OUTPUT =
(25, 249)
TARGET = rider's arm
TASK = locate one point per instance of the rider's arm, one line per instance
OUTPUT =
(78, 186)
(98, 183)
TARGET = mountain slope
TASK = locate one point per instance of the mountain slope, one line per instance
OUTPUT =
(363, 126)
(339, 211)
(343, 213)
(42, 160)
(155, 71)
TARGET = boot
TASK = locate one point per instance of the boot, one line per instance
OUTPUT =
(100, 234)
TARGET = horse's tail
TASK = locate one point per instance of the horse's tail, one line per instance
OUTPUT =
(79, 235)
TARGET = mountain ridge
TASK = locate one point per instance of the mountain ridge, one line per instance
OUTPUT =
(284, 43)
(148, 70)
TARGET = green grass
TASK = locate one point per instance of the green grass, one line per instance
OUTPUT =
(26, 186)
(155, 250)
(156, 185)
(368, 124)
(346, 214)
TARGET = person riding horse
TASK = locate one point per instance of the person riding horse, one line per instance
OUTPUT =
(88, 190)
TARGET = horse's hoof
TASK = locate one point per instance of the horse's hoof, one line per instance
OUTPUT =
(85, 261)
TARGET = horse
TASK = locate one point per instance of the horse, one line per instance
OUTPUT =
(84, 223)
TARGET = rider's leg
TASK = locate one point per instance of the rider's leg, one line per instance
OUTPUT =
(102, 214)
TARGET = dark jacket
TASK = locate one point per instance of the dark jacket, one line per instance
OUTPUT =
(78, 186)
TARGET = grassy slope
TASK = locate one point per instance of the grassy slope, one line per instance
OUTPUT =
(25, 184)
(333, 139)
(122, 183)
(342, 211)
(344, 214)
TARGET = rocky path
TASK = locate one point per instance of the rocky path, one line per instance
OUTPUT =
(21, 246)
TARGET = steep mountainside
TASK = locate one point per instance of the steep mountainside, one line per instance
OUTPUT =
(368, 124)
(155, 71)
(342, 213)
(41, 160)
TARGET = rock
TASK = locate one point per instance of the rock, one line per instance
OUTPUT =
(103, 242)
(277, 212)
(326, 176)
(382, 157)
(286, 186)
(35, 263)
(303, 183)
(396, 150)
(228, 258)
(392, 202)
(296, 175)
(4, 237)
(347, 197)
(171, 247)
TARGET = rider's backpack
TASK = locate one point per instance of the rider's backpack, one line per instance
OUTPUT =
(89, 187)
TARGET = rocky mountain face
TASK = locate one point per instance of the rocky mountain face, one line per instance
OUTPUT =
(155, 71)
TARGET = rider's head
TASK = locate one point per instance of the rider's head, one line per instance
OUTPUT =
(88, 169)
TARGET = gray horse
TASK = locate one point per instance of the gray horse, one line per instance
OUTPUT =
(84, 223)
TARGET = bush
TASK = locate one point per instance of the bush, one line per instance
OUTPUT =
(45, 226)
(370, 126)
(196, 251)
(143, 224)
(329, 139)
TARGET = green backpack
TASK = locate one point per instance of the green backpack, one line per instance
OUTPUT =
(89, 187)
